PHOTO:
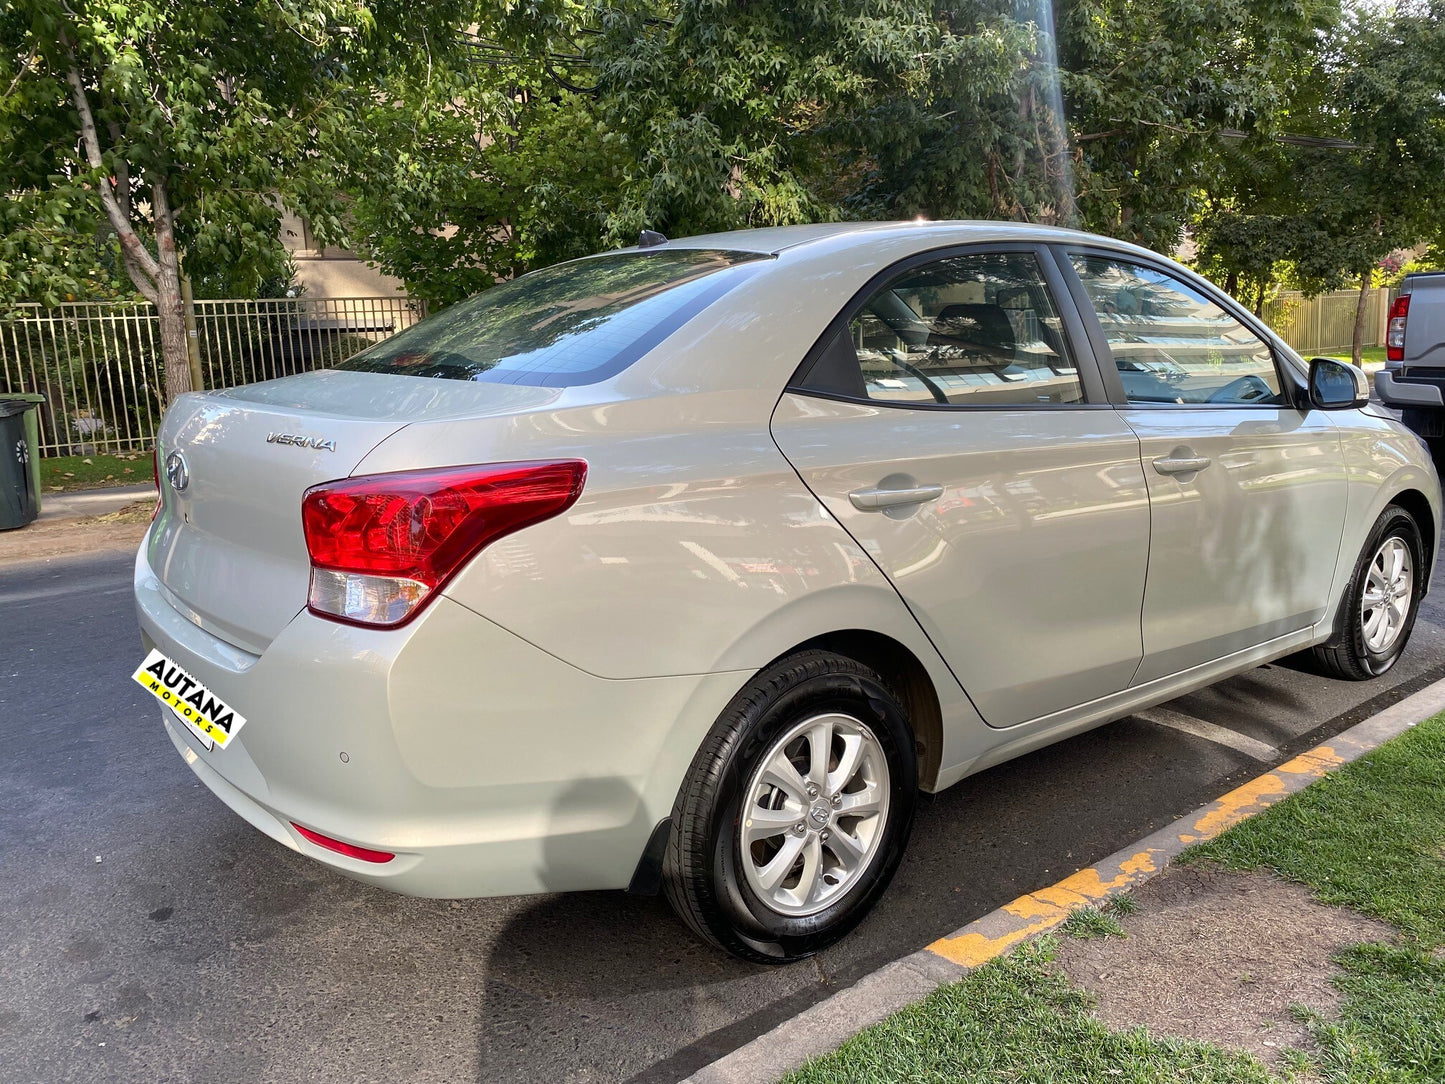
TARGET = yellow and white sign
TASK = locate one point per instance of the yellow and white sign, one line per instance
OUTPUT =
(206, 715)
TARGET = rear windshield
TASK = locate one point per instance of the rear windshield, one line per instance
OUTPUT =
(574, 323)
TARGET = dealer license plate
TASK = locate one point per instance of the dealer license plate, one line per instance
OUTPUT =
(201, 711)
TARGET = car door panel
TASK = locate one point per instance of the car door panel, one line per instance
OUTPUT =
(1027, 569)
(1243, 550)
(1247, 488)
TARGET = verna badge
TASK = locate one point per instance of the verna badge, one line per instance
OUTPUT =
(300, 441)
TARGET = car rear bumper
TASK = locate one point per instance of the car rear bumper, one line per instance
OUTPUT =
(1406, 393)
(484, 764)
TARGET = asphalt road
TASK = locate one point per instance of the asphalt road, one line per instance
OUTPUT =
(147, 933)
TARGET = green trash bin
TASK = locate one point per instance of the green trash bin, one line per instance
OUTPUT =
(19, 460)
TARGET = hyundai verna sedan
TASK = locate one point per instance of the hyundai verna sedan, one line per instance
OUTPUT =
(688, 567)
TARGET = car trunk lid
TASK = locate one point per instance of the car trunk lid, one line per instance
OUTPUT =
(228, 546)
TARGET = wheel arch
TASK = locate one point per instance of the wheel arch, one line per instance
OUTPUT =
(1420, 509)
(898, 665)
(905, 673)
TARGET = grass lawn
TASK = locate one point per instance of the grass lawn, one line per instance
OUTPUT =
(1371, 357)
(1371, 836)
(1015, 1020)
(68, 472)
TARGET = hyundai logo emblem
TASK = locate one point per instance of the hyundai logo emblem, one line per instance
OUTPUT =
(177, 473)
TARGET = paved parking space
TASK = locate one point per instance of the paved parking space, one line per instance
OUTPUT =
(197, 949)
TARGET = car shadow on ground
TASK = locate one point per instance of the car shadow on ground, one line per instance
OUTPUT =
(609, 986)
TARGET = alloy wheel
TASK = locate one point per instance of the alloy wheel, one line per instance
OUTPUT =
(1389, 592)
(813, 814)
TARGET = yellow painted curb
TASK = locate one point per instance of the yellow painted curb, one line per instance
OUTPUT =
(1047, 908)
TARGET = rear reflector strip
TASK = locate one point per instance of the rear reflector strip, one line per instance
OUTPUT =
(348, 849)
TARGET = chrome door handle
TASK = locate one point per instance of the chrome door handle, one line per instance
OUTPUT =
(876, 500)
(1182, 464)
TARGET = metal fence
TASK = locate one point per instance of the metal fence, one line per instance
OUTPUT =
(1326, 324)
(99, 363)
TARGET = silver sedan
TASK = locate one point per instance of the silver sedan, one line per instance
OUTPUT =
(688, 567)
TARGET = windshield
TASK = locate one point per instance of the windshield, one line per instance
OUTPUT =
(574, 323)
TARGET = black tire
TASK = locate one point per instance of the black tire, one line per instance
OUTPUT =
(701, 872)
(1345, 654)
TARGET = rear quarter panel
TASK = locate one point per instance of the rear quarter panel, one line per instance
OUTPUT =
(694, 548)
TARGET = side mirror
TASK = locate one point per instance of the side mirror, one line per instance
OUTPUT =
(1337, 385)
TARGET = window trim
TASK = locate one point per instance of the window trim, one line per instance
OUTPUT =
(1289, 381)
(1076, 341)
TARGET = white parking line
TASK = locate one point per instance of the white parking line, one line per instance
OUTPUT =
(1220, 735)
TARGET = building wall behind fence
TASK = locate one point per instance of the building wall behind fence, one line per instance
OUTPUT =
(1326, 324)
(99, 363)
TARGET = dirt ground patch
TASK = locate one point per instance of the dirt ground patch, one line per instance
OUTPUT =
(1220, 957)
(121, 530)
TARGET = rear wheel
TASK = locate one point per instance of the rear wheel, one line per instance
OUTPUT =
(1378, 610)
(795, 812)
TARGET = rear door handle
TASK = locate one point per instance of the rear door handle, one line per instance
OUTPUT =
(876, 500)
(1181, 464)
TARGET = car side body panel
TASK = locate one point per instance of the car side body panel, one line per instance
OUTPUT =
(1382, 459)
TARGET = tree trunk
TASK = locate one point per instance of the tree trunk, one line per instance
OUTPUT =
(170, 309)
(1358, 342)
(158, 277)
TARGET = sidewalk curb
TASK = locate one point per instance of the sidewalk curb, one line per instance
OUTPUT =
(80, 503)
(825, 1026)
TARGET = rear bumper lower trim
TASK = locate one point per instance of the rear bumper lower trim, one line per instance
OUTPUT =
(1405, 393)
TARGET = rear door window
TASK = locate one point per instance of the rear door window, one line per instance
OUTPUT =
(963, 331)
(574, 323)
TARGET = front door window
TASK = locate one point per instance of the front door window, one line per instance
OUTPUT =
(1173, 345)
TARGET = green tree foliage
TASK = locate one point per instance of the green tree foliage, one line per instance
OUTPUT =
(459, 145)
(475, 169)
(571, 124)
(1153, 87)
(180, 127)
(1368, 177)
(1386, 77)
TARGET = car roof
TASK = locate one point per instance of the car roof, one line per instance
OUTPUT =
(774, 240)
(814, 270)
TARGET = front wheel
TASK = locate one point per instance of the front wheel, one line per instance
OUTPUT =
(1378, 611)
(795, 812)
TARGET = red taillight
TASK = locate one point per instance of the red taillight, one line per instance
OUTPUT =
(351, 850)
(381, 545)
(1395, 329)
